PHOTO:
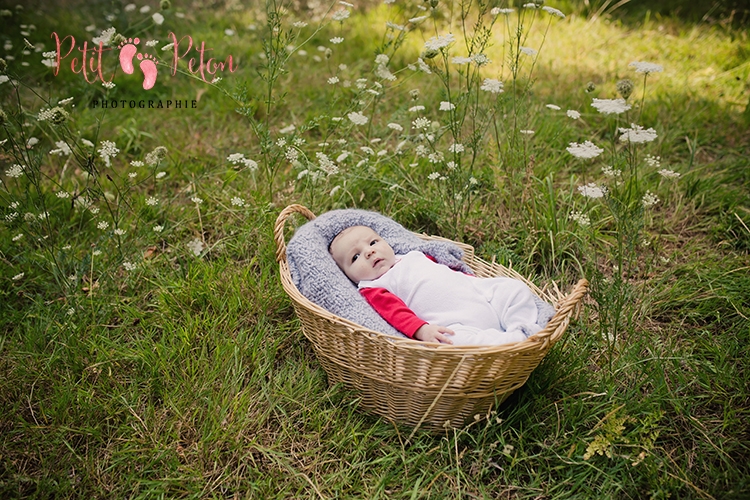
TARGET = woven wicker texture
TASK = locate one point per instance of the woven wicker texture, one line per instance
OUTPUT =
(416, 383)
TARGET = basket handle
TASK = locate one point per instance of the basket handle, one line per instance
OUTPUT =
(278, 228)
(565, 308)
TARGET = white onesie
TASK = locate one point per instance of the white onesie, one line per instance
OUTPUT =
(481, 311)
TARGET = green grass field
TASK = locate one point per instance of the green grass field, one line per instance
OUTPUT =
(147, 349)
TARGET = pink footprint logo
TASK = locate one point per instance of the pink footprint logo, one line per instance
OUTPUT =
(148, 66)
(127, 51)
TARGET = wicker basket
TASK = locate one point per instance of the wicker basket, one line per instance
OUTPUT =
(416, 383)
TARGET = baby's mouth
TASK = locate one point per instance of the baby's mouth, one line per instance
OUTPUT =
(377, 261)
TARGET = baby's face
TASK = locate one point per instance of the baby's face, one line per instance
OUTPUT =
(362, 254)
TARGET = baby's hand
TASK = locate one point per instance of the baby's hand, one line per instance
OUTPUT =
(433, 333)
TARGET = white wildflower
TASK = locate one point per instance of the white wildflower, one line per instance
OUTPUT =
(416, 108)
(572, 113)
(527, 132)
(554, 12)
(653, 161)
(336, 40)
(447, 106)
(14, 171)
(456, 148)
(158, 19)
(491, 85)
(669, 174)
(497, 11)
(637, 134)
(341, 15)
(238, 202)
(196, 200)
(396, 127)
(333, 80)
(120, 232)
(326, 164)
(433, 176)
(288, 129)
(610, 106)
(646, 67)
(461, 60)
(423, 67)
(481, 59)
(18, 276)
(553, 107)
(439, 42)
(152, 201)
(609, 171)
(586, 150)
(299, 24)
(528, 51)
(33, 141)
(357, 118)
(649, 199)
(17, 237)
(592, 190)
(580, 218)
(343, 156)
(62, 149)
(196, 246)
(421, 123)
(158, 228)
(62, 194)
(103, 225)
(236, 158)
(104, 37)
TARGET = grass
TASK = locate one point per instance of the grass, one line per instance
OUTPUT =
(189, 377)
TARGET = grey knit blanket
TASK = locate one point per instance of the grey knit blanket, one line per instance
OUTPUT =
(317, 277)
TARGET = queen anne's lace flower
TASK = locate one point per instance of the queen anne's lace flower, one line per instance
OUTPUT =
(591, 190)
(14, 171)
(421, 123)
(491, 85)
(497, 11)
(669, 174)
(447, 106)
(649, 199)
(396, 127)
(528, 51)
(341, 15)
(586, 150)
(580, 218)
(357, 118)
(572, 113)
(439, 42)
(646, 67)
(610, 106)
(554, 12)
(637, 134)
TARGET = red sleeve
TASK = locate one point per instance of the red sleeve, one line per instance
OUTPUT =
(393, 310)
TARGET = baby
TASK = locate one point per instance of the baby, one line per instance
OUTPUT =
(428, 301)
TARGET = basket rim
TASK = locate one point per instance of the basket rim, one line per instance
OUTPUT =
(548, 336)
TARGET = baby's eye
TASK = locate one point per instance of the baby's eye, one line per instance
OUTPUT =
(355, 256)
(373, 242)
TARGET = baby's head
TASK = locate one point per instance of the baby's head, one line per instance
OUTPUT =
(361, 253)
